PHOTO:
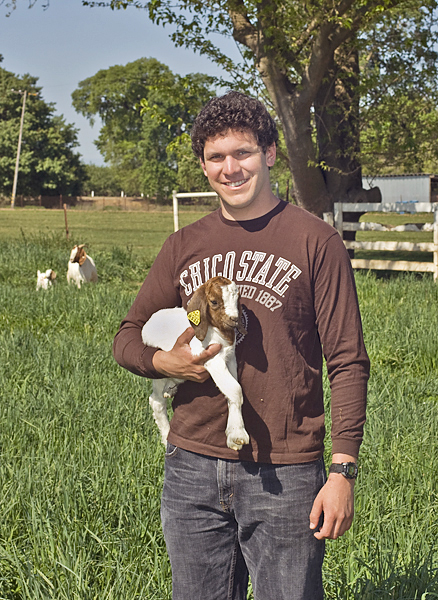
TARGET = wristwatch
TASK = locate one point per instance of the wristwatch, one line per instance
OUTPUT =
(348, 469)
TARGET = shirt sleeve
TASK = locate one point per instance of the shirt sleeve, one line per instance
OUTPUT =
(340, 330)
(158, 291)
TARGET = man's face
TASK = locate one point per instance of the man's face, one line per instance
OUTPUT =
(238, 170)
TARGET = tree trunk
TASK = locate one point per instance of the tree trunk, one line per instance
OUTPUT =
(310, 189)
(336, 118)
(320, 87)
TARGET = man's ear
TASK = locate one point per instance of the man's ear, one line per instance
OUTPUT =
(203, 166)
(271, 154)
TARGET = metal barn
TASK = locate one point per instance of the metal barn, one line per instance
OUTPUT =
(404, 188)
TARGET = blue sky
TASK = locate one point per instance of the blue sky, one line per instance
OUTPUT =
(68, 42)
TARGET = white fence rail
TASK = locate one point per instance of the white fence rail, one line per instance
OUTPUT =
(175, 197)
(397, 207)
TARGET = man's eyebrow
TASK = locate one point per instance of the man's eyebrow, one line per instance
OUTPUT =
(243, 148)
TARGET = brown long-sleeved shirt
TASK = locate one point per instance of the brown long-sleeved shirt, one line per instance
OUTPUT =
(299, 302)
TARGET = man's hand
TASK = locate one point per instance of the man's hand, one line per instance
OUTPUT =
(336, 501)
(180, 362)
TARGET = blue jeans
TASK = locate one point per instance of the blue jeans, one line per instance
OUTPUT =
(223, 519)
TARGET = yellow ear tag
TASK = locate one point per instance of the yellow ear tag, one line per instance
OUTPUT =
(194, 317)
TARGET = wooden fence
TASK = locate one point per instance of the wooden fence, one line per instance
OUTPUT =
(397, 207)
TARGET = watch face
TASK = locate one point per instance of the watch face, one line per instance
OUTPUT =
(350, 470)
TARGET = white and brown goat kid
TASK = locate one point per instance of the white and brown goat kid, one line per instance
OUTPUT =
(45, 279)
(81, 267)
(214, 313)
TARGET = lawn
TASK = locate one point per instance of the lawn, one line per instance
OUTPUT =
(143, 231)
(81, 463)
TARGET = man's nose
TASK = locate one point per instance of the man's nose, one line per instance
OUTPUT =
(230, 165)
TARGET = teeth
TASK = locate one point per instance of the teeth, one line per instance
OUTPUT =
(235, 183)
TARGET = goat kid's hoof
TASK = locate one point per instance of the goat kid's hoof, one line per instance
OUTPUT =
(236, 440)
(170, 391)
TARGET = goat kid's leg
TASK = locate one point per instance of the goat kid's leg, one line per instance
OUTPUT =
(236, 433)
(158, 403)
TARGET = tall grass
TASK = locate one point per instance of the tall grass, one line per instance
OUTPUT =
(81, 463)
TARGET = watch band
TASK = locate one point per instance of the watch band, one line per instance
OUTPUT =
(347, 469)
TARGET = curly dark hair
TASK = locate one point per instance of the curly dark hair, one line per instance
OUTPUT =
(235, 111)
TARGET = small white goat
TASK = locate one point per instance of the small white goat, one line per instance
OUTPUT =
(45, 279)
(214, 313)
(81, 267)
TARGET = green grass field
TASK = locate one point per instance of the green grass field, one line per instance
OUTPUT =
(81, 463)
(103, 230)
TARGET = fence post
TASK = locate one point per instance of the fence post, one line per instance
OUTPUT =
(175, 210)
(338, 217)
(435, 241)
(329, 218)
(65, 219)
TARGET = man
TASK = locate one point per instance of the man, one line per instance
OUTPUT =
(267, 509)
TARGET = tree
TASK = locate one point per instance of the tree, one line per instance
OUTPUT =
(48, 164)
(399, 95)
(100, 180)
(146, 110)
(307, 54)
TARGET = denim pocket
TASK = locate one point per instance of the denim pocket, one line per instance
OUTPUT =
(171, 450)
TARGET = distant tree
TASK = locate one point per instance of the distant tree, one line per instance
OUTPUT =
(399, 93)
(101, 180)
(145, 109)
(48, 163)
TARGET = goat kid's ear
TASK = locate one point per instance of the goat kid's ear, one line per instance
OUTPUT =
(197, 313)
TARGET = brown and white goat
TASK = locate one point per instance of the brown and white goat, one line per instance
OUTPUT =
(81, 267)
(214, 313)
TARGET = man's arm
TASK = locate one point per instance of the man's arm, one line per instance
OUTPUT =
(340, 329)
(336, 501)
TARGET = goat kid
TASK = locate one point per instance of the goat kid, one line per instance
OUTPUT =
(214, 312)
(81, 267)
(45, 279)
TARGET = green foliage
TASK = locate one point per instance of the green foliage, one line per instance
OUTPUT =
(399, 92)
(100, 180)
(48, 163)
(144, 107)
(304, 55)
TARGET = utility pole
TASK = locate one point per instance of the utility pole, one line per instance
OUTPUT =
(17, 162)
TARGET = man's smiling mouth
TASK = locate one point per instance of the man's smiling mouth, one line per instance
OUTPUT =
(235, 183)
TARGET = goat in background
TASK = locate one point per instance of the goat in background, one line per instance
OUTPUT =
(214, 313)
(45, 279)
(81, 267)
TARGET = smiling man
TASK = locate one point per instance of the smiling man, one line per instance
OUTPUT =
(238, 170)
(265, 510)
